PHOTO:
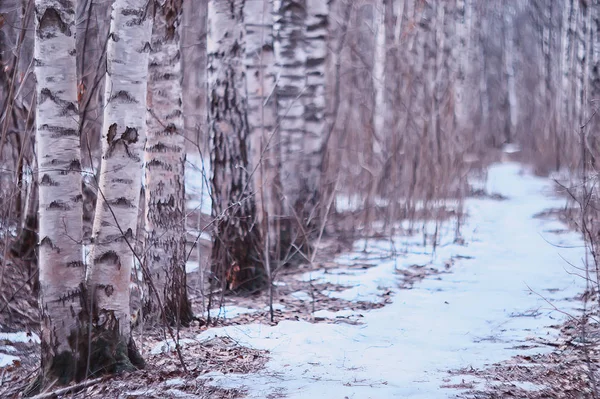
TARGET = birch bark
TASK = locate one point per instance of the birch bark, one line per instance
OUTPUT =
(564, 119)
(509, 71)
(237, 248)
(379, 110)
(581, 67)
(123, 136)
(262, 118)
(315, 34)
(290, 56)
(164, 162)
(594, 70)
(61, 267)
(462, 61)
(91, 39)
(193, 52)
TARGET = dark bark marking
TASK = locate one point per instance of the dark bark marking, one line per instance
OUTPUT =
(47, 181)
(47, 241)
(75, 166)
(76, 263)
(147, 48)
(109, 290)
(122, 181)
(50, 21)
(130, 135)
(123, 96)
(58, 204)
(121, 202)
(109, 257)
(112, 132)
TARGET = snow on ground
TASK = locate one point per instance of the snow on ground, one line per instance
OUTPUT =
(14, 338)
(230, 311)
(474, 316)
(355, 202)
(301, 295)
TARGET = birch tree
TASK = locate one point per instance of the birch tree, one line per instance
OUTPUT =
(509, 71)
(315, 39)
(594, 77)
(581, 65)
(237, 248)
(379, 110)
(290, 58)
(123, 136)
(483, 91)
(91, 68)
(164, 162)
(300, 54)
(193, 60)
(566, 57)
(462, 21)
(262, 119)
(61, 267)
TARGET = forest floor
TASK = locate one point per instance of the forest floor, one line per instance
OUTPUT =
(492, 310)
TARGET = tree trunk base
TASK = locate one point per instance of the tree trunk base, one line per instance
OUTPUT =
(108, 354)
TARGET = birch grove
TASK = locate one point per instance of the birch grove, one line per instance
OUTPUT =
(317, 125)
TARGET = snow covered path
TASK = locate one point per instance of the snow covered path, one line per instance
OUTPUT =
(474, 316)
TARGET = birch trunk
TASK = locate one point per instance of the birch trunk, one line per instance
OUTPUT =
(193, 52)
(315, 34)
(237, 248)
(594, 74)
(509, 71)
(462, 62)
(546, 66)
(582, 73)
(262, 119)
(483, 80)
(123, 137)
(61, 267)
(440, 62)
(595, 49)
(91, 38)
(379, 111)
(290, 56)
(563, 99)
(164, 160)
(393, 16)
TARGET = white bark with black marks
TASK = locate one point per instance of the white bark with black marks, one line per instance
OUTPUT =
(290, 56)
(193, 59)
(315, 39)
(123, 137)
(61, 267)
(164, 161)
(237, 247)
(462, 62)
(265, 155)
(509, 71)
(566, 57)
(379, 87)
